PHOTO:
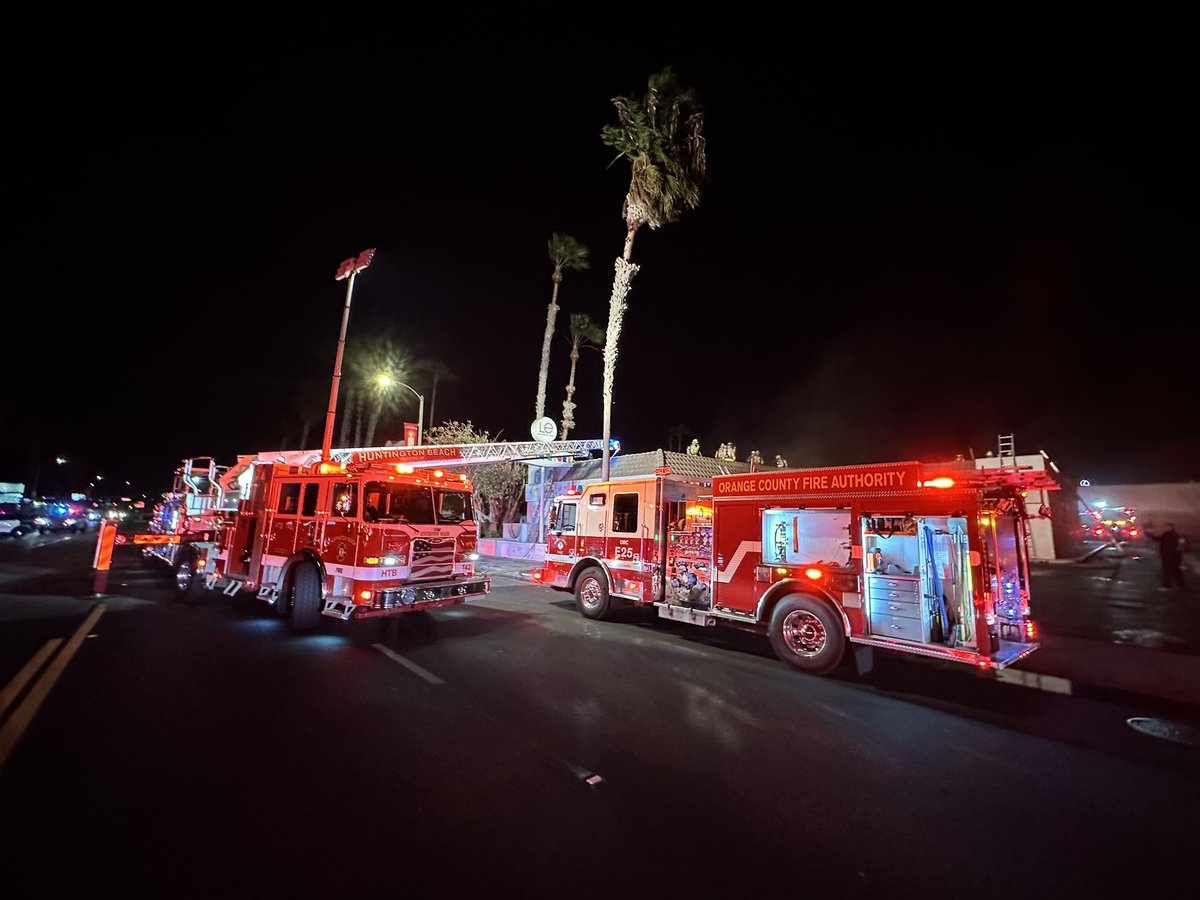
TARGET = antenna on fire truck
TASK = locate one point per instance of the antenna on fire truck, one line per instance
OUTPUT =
(348, 269)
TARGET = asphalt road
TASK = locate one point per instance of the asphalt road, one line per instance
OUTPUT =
(512, 748)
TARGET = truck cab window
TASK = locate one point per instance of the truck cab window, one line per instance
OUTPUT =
(311, 491)
(345, 499)
(289, 499)
(625, 513)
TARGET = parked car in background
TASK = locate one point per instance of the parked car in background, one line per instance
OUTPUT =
(15, 519)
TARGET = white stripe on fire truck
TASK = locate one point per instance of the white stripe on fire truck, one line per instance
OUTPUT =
(726, 575)
(375, 573)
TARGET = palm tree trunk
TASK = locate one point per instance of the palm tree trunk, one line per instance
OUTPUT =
(374, 421)
(625, 270)
(432, 400)
(358, 423)
(347, 415)
(568, 419)
(544, 371)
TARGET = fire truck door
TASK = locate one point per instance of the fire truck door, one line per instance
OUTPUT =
(341, 526)
(593, 522)
(630, 529)
(282, 538)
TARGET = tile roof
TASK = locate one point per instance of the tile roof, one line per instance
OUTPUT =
(635, 465)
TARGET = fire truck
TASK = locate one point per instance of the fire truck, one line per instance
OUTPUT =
(370, 532)
(826, 563)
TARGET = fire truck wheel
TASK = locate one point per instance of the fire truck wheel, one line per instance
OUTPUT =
(306, 599)
(591, 594)
(186, 581)
(807, 634)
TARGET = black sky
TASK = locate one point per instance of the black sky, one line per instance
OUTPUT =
(906, 248)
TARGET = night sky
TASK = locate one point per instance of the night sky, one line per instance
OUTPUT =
(903, 250)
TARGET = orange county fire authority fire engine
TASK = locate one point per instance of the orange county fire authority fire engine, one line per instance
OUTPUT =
(910, 557)
(371, 532)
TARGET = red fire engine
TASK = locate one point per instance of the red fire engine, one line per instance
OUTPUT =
(910, 557)
(371, 532)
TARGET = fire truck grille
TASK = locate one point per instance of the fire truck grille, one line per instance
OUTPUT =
(432, 558)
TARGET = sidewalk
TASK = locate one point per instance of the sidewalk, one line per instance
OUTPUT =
(1103, 627)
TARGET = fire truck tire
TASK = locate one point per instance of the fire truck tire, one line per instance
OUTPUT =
(306, 599)
(591, 594)
(185, 578)
(806, 633)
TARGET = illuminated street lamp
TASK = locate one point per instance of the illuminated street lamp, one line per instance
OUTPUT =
(348, 269)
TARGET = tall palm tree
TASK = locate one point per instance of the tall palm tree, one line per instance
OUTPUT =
(437, 371)
(662, 136)
(565, 253)
(584, 333)
(367, 398)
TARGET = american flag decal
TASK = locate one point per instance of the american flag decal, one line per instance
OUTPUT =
(432, 557)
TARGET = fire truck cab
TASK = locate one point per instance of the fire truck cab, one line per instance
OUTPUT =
(908, 557)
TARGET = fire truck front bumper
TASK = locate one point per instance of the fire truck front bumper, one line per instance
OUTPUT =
(408, 598)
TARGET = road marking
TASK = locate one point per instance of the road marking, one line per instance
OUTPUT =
(14, 688)
(408, 664)
(24, 713)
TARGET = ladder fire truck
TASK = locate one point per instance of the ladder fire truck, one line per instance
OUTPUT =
(369, 532)
(926, 559)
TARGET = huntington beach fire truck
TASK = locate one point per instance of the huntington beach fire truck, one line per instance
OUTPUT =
(371, 532)
(926, 559)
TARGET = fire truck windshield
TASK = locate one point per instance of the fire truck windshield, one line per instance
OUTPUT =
(415, 504)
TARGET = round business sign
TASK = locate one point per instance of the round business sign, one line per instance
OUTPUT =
(543, 429)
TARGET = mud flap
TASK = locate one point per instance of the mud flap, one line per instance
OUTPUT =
(864, 658)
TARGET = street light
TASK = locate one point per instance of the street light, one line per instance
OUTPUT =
(37, 474)
(420, 409)
(348, 269)
(385, 381)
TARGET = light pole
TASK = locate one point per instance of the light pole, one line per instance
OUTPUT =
(348, 269)
(420, 410)
(37, 474)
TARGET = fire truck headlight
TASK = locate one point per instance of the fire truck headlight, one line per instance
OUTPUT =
(391, 560)
(473, 556)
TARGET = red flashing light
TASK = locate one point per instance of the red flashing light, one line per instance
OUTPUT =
(814, 574)
(366, 594)
(437, 473)
(1133, 532)
(941, 482)
(537, 576)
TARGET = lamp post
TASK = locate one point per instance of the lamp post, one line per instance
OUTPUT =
(37, 474)
(420, 409)
(348, 269)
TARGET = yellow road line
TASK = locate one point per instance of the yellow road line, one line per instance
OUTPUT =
(13, 689)
(24, 713)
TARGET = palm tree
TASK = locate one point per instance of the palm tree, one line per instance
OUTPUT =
(676, 435)
(662, 136)
(372, 358)
(437, 371)
(584, 333)
(565, 253)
